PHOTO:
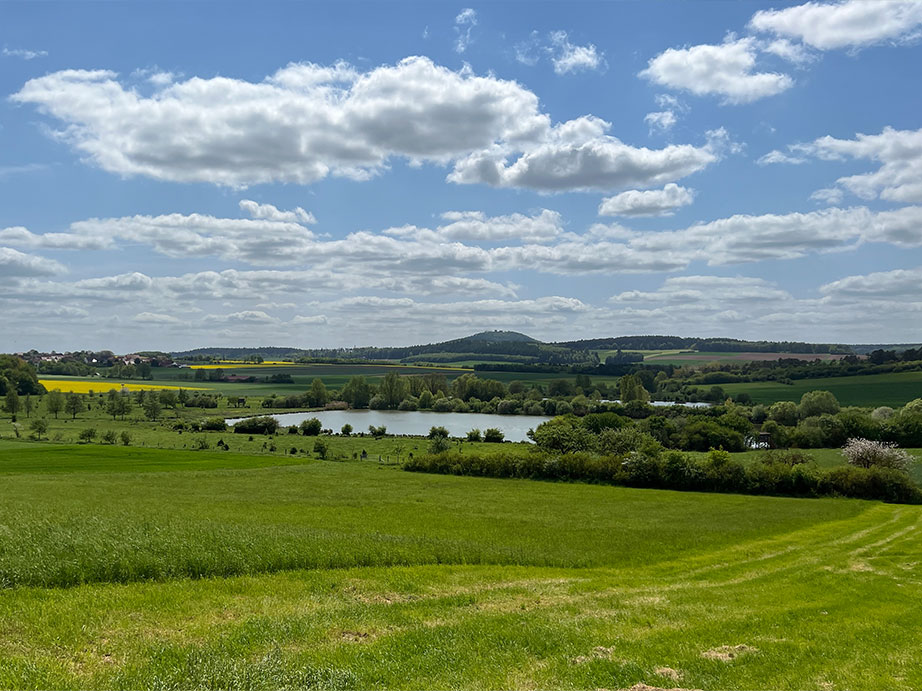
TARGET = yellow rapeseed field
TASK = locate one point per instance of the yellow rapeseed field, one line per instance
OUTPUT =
(104, 385)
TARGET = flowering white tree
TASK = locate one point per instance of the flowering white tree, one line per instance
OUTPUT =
(867, 453)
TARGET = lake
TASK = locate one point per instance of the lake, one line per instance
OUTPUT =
(415, 422)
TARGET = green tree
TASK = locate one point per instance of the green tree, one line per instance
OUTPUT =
(393, 389)
(356, 392)
(784, 413)
(321, 448)
(39, 427)
(73, 404)
(27, 405)
(169, 399)
(152, 408)
(815, 403)
(12, 401)
(54, 402)
(631, 388)
(317, 396)
(346, 430)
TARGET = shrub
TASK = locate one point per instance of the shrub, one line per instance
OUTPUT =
(201, 444)
(867, 454)
(346, 430)
(262, 424)
(311, 427)
(493, 435)
(439, 444)
(474, 435)
(213, 424)
(321, 448)
(436, 432)
(39, 427)
(109, 436)
(377, 432)
(125, 438)
(88, 434)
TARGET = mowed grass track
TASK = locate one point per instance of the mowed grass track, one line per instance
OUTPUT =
(440, 582)
(867, 390)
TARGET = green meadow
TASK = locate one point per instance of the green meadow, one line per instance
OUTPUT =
(129, 567)
(895, 389)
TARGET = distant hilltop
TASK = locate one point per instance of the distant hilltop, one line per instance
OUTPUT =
(515, 347)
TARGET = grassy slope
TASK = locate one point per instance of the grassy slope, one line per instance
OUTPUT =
(461, 582)
(871, 390)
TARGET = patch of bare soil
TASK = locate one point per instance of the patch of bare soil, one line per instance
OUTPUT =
(668, 673)
(728, 653)
(355, 636)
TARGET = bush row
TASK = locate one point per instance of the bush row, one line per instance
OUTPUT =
(717, 472)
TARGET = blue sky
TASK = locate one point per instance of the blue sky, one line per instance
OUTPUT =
(175, 175)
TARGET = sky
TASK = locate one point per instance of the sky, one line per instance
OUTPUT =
(320, 174)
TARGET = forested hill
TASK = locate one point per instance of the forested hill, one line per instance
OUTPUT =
(512, 346)
(704, 345)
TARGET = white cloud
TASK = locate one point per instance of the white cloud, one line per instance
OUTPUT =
(662, 202)
(300, 125)
(899, 178)
(22, 237)
(464, 25)
(24, 53)
(776, 156)
(478, 227)
(851, 24)
(828, 195)
(15, 264)
(724, 70)
(243, 317)
(661, 121)
(567, 57)
(154, 318)
(579, 155)
(270, 212)
(313, 319)
(792, 52)
(899, 284)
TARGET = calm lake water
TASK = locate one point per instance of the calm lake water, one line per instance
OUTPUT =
(415, 422)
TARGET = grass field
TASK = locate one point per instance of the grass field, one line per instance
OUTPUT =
(869, 390)
(211, 570)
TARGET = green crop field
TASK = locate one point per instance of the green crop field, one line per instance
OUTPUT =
(147, 568)
(868, 390)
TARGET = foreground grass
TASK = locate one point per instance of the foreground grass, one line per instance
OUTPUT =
(357, 575)
(62, 529)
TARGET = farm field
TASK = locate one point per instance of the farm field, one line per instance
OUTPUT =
(685, 358)
(356, 575)
(333, 376)
(894, 389)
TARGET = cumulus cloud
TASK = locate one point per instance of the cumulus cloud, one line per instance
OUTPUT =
(567, 57)
(302, 124)
(478, 227)
(899, 178)
(662, 202)
(580, 155)
(15, 264)
(725, 70)
(851, 24)
(272, 213)
(661, 121)
(18, 236)
(307, 122)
